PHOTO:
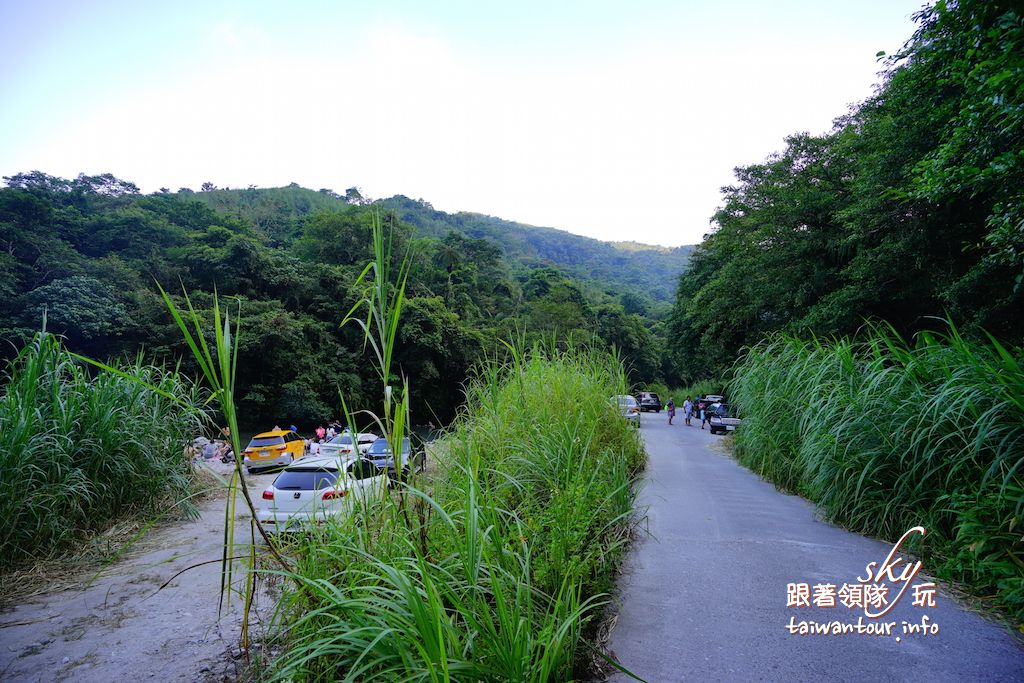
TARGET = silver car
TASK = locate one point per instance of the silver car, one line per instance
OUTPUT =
(629, 408)
(342, 444)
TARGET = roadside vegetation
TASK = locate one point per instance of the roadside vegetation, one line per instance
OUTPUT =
(884, 435)
(497, 564)
(80, 451)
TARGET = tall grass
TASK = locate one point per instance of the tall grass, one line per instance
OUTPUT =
(508, 556)
(76, 451)
(884, 435)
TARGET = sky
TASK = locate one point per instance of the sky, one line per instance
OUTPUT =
(615, 120)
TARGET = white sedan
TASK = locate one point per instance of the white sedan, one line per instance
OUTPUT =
(313, 489)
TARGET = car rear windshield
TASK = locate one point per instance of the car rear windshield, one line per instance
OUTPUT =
(344, 440)
(306, 480)
(266, 441)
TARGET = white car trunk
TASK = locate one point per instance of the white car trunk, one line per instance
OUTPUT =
(319, 490)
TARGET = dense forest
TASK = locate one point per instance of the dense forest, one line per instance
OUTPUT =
(89, 253)
(910, 210)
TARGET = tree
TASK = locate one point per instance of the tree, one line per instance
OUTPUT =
(354, 196)
(79, 307)
(910, 210)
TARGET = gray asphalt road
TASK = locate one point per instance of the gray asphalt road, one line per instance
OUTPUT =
(704, 597)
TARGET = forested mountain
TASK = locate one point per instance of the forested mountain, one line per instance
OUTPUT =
(89, 253)
(647, 271)
(909, 210)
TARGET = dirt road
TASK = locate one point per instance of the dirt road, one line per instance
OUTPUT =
(122, 627)
(705, 597)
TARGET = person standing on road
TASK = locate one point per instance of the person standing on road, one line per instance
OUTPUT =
(706, 415)
(320, 433)
(700, 411)
(671, 407)
(688, 410)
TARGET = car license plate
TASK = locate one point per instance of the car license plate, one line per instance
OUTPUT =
(264, 454)
(729, 428)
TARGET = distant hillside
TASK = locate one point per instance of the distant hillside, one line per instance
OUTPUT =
(619, 267)
(625, 267)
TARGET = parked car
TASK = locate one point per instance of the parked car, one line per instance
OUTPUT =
(276, 448)
(649, 401)
(413, 460)
(723, 419)
(314, 489)
(712, 398)
(629, 408)
(342, 444)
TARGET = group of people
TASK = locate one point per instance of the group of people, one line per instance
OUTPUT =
(210, 449)
(702, 408)
(329, 432)
(322, 435)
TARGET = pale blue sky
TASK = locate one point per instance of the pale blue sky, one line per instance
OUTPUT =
(619, 120)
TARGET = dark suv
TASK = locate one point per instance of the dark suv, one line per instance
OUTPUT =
(649, 401)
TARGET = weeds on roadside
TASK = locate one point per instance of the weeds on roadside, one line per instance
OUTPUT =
(78, 451)
(511, 553)
(884, 435)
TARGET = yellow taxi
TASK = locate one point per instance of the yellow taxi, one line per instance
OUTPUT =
(276, 448)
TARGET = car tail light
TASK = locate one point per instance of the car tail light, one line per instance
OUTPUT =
(268, 494)
(331, 494)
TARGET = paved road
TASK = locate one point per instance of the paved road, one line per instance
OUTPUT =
(704, 597)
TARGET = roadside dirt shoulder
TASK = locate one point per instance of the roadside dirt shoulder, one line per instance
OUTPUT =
(124, 627)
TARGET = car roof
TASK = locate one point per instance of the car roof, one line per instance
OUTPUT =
(326, 462)
(274, 432)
